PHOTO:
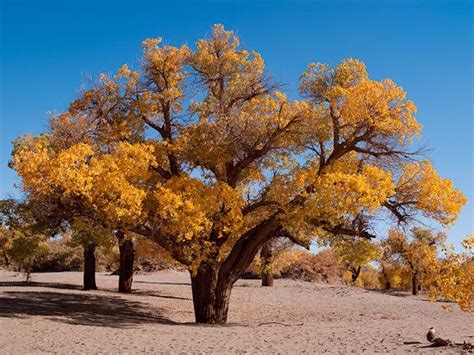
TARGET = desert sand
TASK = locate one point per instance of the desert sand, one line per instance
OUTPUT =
(53, 315)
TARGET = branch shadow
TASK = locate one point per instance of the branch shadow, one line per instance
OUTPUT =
(80, 309)
(158, 295)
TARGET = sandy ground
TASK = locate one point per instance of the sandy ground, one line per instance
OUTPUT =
(53, 315)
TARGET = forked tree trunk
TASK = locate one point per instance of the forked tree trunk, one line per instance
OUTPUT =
(210, 297)
(356, 273)
(266, 255)
(127, 258)
(89, 267)
(415, 285)
(212, 283)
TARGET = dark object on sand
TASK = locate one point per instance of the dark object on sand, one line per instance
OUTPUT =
(436, 341)
(431, 334)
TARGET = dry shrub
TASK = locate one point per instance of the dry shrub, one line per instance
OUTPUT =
(281, 260)
(150, 257)
(65, 255)
(369, 278)
(320, 267)
(395, 277)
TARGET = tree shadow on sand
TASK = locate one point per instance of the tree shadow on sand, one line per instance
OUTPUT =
(57, 285)
(83, 309)
(393, 293)
(423, 296)
(62, 286)
(163, 283)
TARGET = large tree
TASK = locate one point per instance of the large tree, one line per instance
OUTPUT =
(199, 152)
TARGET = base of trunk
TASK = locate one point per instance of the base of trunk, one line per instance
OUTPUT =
(415, 286)
(210, 297)
(127, 257)
(266, 255)
(355, 273)
(89, 267)
(267, 279)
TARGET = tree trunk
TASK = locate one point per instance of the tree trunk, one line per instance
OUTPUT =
(414, 283)
(127, 257)
(210, 297)
(266, 255)
(6, 258)
(356, 273)
(212, 283)
(388, 285)
(89, 267)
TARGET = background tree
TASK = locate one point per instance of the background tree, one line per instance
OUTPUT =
(454, 279)
(200, 153)
(273, 255)
(90, 238)
(418, 254)
(80, 184)
(355, 254)
(22, 241)
(5, 242)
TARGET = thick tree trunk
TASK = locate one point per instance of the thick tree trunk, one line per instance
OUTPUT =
(356, 273)
(89, 267)
(210, 297)
(127, 257)
(414, 283)
(266, 255)
(212, 283)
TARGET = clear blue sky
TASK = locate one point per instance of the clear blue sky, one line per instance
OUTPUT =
(47, 48)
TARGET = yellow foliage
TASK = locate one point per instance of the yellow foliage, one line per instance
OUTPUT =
(359, 102)
(112, 183)
(455, 279)
(434, 196)
(356, 253)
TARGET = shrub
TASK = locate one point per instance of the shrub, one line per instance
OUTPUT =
(320, 267)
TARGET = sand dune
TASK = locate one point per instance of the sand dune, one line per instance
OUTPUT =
(53, 314)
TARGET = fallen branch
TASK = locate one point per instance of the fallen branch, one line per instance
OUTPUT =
(438, 342)
(285, 324)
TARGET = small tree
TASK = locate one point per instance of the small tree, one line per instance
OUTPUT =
(454, 280)
(22, 242)
(26, 250)
(418, 253)
(355, 254)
